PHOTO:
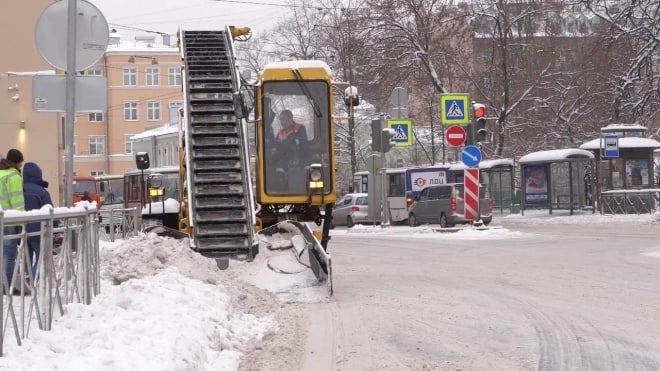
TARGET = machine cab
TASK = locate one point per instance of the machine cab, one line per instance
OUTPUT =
(295, 134)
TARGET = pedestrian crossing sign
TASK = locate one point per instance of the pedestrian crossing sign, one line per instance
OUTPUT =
(402, 132)
(454, 109)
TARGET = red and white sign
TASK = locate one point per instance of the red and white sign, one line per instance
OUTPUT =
(455, 135)
(471, 194)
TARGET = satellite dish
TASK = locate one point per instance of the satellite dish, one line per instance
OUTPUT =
(92, 35)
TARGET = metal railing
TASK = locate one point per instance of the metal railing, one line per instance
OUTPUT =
(119, 223)
(68, 274)
(638, 201)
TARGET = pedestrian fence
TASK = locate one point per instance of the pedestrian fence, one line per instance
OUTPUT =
(119, 223)
(68, 268)
(632, 201)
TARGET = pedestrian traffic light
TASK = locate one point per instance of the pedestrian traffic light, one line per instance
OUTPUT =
(387, 143)
(375, 135)
(479, 129)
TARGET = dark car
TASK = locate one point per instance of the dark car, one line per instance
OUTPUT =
(444, 205)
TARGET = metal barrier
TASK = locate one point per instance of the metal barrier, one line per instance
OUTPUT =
(639, 201)
(119, 223)
(69, 274)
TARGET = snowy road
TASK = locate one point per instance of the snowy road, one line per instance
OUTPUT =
(554, 297)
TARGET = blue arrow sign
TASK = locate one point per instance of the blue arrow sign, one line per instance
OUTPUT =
(471, 156)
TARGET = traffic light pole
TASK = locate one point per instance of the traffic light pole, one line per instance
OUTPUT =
(473, 124)
(385, 220)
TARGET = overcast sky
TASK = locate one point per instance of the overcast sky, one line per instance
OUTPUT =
(168, 15)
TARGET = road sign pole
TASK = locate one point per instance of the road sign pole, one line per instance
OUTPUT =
(70, 93)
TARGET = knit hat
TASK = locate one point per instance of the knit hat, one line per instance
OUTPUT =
(14, 156)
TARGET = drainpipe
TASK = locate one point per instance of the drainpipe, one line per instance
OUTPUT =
(106, 116)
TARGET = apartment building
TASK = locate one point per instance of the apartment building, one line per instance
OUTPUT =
(34, 133)
(144, 93)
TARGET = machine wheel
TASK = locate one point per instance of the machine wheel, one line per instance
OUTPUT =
(412, 220)
(443, 220)
(349, 222)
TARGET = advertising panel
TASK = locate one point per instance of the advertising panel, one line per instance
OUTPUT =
(536, 185)
(423, 178)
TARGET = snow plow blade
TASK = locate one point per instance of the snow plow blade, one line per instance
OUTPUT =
(163, 231)
(319, 261)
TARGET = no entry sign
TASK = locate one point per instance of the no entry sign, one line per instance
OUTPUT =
(455, 135)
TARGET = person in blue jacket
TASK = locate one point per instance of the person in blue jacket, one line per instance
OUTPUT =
(36, 196)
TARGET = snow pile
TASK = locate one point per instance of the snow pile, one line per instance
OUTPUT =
(539, 217)
(145, 324)
(170, 206)
(460, 232)
(161, 307)
(146, 255)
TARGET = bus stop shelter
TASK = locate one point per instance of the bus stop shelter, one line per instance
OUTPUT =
(557, 179)
(626, 182)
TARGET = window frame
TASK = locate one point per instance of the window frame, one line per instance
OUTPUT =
(93, 117)
(174, 76)
(134, 108)
(152, 76)
(93, 138)
(129, 74)
(153, 111)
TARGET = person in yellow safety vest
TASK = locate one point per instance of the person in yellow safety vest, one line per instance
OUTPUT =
(11, 198)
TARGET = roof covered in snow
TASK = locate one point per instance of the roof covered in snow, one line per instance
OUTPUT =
(163, 130)
(556, 155)
(626, 142)
(486, 164)
(290, 65)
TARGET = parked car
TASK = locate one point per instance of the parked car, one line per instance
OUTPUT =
(351, 209)
(444, 205)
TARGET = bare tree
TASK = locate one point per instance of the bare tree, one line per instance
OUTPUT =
(635, 27)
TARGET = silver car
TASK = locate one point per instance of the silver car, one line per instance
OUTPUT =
(350, 210)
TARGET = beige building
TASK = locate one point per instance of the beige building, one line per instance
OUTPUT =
(144, 92)
(35, 134)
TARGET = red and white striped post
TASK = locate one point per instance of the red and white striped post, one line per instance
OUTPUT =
(471, 194)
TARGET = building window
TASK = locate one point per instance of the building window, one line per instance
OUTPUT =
(94, 72)
(174, 76)
(75, 144)
(130, 77)
(97, 172)
(96, 117)
(128, 144)
(174, 112)
(130, 111)
(152, 76)
(153, 111)
(96, 144)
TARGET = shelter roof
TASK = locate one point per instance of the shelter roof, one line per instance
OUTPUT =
(556, 155)
(626, 142)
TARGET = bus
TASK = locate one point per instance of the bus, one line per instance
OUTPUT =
(403, 184)
(110, 189)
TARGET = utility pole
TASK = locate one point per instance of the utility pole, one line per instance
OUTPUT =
(70, 97)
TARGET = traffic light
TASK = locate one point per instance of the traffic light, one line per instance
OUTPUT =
(479, 129)
(386, 137)
(375, 135)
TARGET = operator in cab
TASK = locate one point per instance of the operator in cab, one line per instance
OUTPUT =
(291, 144)
(290, 153)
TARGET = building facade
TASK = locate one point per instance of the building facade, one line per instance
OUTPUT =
(34, 133)
(144, 93)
